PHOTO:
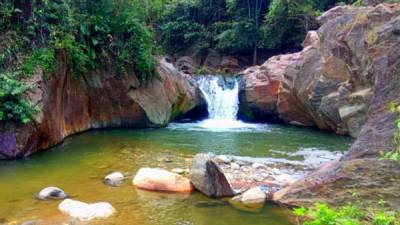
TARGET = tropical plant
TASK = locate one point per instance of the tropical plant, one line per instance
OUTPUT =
(350, 214)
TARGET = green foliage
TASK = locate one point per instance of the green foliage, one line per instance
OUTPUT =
(201, 70)
(238, 26)
(92, 34)
(240, 37)
(395, 153)
(382, 218)
(350, 214)
(287, 23)
(43, 57)
(358, 3)
(13, 106)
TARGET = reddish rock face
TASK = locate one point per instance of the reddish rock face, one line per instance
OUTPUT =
(259, 96)
(70, 104)
(366, 42)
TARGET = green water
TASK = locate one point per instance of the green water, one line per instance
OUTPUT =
(79, 164)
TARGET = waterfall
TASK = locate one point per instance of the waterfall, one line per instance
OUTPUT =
(222, 96)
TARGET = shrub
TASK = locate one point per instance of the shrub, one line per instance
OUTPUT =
(13, 106)
(350, 214)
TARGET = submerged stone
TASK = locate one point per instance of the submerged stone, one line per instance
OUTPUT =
(208, 204)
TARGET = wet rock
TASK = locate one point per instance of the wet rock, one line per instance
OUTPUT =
(156, 179)
(84, 212)
(251, 200)
(114, 179)
(51, 193)
(207, 177)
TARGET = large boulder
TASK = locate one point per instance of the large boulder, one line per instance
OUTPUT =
(259, 95)
(155, 179)
(99, 99)
(207, 177)
(365, 43)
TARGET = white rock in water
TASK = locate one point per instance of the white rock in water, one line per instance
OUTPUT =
(252, 200)
(114, 179)
(51, 193)
(84, 211)
(253, 196)
(178, 170)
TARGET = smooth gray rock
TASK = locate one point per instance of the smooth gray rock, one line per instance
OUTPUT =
(207, 177)
(51, 193)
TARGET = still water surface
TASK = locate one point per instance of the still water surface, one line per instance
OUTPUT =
(79, 164)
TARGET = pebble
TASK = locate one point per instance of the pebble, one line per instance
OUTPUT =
(259, 178)
(168, 160)
(258, 166)
(178, 171)
(235, 166)
(276, 171)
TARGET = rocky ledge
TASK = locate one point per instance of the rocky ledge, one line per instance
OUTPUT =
(344, 80)
(329, 84)
(100, 99)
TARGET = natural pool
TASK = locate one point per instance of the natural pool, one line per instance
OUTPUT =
(79, 164)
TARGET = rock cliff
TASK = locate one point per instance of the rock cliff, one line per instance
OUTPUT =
(100, 99)
(344, 81)
(330, 83)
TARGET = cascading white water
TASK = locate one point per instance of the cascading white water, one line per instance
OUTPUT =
(222, 96)
(222, 101)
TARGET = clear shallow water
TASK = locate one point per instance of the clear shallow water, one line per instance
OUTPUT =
(80, 163)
